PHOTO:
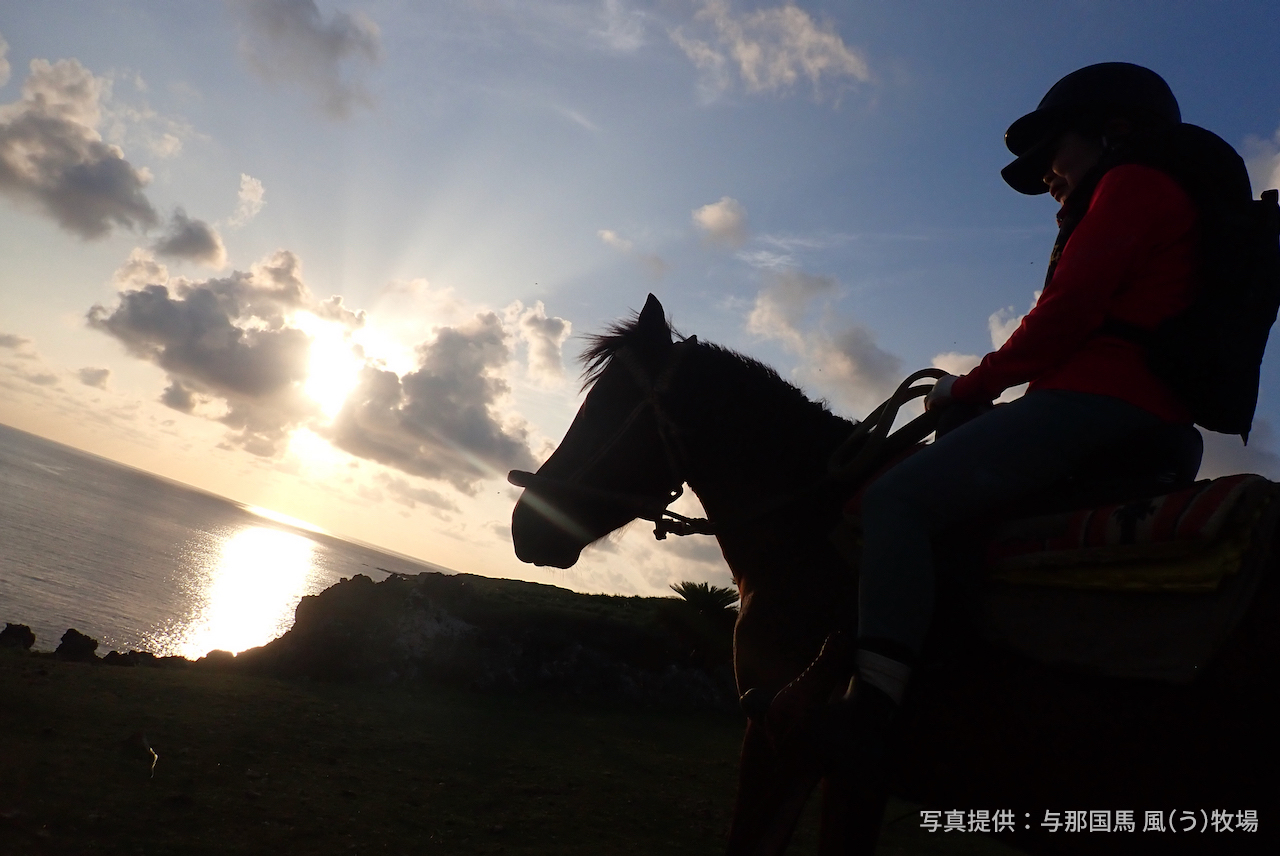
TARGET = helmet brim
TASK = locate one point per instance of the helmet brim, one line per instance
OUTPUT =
(1026, 173)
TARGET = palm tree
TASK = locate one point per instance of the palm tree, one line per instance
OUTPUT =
(706, 598)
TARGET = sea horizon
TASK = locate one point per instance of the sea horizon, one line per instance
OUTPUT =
(143, 562)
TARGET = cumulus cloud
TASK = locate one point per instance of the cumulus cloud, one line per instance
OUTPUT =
(1002, 322)
(956, 364)
(179, 398)
(545, 336)
(1262, 156)
(847, 361)
(654, 265)
(251, 198)
(289, 41)
(52, 156)
(225, 341)
(441, 420)
(769, 50)
(333, 310)
(193, 240)
(95, 377)
(723, 223)
(140, 269)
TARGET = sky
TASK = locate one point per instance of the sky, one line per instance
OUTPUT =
(336, 259)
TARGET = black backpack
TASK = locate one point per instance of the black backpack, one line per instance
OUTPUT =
(1211, 353)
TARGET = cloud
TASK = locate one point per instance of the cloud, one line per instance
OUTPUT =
(621, 29)
(723, 223)
(52, 156)
(654, 265)
(614, 240)
(781, 305)
(14, 342)
(139, 124)
(289, 41)
(768, 260)
(847, 361)
(333, 310)
(39, 378)
(545, 337)
(956, 364)
(179, 398)
(560, 26)
(224, 341)
(1003, 322)
(406, 494)
(94, 377)
(1263, 160)
(4, 61)
(441, 420)
(251, 198)
(1225, 455)
(194, 240)
(140, 269)
(769, 49)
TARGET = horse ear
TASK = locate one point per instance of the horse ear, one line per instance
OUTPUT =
(653, 320)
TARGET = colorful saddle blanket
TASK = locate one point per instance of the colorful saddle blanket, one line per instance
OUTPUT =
(1188, 541)
(1148, 589)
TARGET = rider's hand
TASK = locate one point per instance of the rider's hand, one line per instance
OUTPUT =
(940, 395)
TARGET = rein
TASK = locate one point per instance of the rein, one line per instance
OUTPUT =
(854, 459)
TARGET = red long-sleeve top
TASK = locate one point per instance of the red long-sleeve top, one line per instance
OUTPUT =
(1133, 258)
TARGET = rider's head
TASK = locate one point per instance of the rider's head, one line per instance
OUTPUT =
(1082, 112)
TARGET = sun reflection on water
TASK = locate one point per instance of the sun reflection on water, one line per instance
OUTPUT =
(247, 596)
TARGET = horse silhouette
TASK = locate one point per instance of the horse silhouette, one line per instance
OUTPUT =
(986, 730)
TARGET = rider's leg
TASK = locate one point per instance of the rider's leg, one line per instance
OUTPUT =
(1010, 452)
(983, 464)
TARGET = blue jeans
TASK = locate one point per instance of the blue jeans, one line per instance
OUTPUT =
(1002, 455)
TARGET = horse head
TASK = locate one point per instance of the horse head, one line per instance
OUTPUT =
(616, 462)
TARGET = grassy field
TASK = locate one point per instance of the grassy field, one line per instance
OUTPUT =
(256, 765)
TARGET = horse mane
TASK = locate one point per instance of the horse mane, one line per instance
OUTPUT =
(767, 386)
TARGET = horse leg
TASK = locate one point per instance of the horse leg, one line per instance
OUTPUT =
(772, 791)
(852, 811)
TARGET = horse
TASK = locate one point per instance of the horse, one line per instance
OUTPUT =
(986, 730)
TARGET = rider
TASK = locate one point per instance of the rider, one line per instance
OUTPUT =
(1126, 250)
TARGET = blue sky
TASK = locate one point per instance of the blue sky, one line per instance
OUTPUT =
(186, 188)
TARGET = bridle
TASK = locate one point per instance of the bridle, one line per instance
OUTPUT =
(653, 509)
(855, 458)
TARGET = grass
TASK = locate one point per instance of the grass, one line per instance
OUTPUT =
(260, 765)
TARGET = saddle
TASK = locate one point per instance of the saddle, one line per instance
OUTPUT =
(1149, 588)
(1129, 568)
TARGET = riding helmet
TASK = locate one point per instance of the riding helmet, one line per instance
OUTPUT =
(1093, 93)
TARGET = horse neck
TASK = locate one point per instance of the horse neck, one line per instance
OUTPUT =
(755, 439)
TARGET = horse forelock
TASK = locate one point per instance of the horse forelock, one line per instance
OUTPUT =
(603, 347)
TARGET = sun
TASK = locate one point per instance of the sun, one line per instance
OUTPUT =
(335, 363)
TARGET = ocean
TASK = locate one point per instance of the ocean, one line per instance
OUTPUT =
(143, 563)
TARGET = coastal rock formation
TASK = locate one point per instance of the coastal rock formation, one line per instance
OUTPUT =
(77, 647)
(17, 636)
(492, 634)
